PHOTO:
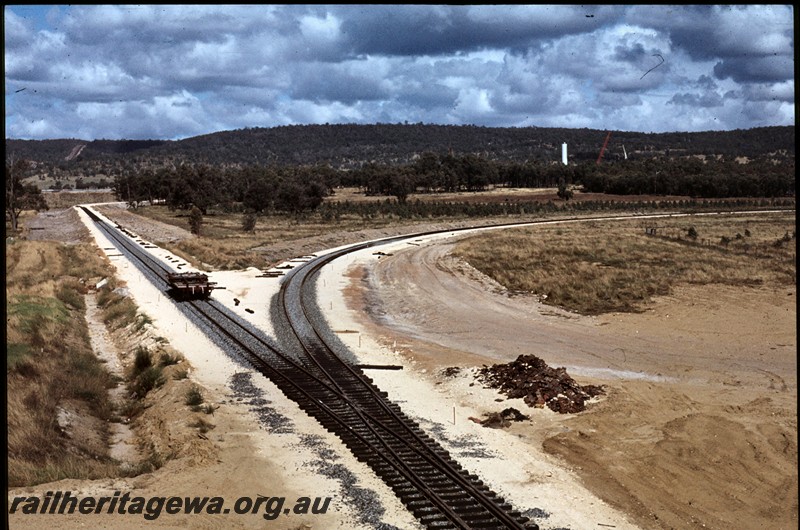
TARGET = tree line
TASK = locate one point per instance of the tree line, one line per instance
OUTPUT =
(714, 178)
(254, 188)
(418, 209)
(297, 189)
(350, 146)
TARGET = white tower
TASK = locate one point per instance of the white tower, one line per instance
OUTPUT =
(564, 153)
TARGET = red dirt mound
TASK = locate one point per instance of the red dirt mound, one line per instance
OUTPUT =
(530, 378)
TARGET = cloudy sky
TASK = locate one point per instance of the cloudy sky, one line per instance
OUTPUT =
(171, 72)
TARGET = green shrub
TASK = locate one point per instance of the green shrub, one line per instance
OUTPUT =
(106, 296)
(141, 321)
(26, 307)
(131, 408)
(16, 355)
(119, 311)
(70, 296)
(194, 397)
(150, 378)
(142, 360)
(202, 425)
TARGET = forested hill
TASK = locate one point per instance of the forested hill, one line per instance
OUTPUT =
(349, 146)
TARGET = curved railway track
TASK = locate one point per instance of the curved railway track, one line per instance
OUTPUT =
(432, 485)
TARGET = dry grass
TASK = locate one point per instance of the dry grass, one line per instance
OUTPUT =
(50, 362)
(599, 267)
(225, 245)
(32, 268)
(64, 466)
(202, 425)
(65, 199)
(51, 365)
(492, 193)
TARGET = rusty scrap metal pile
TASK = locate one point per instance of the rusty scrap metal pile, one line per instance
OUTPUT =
(530, 378)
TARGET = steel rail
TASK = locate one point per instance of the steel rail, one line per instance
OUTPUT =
(158, 269)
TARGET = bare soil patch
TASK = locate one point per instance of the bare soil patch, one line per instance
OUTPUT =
(147, 228)
(58, 200)
(56, 225)
(699, 424)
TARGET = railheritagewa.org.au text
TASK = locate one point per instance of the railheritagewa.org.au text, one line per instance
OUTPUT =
(151, 508)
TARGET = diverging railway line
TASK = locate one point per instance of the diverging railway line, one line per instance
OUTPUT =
(431, 484)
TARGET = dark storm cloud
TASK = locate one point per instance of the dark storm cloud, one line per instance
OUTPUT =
(173, 71)
(782, 92)
(325, 82)
(687, 27)
(732, 36)
(755, 69)
(632, 54)
(428, 96)
(706, 83)
(435, 30)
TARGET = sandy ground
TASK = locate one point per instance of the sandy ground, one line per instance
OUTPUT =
(698, 428)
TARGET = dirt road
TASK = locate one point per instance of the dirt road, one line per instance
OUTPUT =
(699, 427)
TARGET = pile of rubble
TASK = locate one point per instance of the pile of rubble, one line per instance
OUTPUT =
(497, 420)
(450, 371)
(530, 378)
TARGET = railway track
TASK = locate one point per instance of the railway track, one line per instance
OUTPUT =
(434, 487)
(431, 484)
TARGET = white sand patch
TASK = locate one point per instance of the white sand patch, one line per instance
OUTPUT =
(122, 442)
(608, 373)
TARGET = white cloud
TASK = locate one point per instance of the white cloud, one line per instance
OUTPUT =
(172, 71)
(33, 128)
(320, 30)
(303, 111)
(752, 29)
(471, 105)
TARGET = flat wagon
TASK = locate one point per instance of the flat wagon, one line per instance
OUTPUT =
(189, 285)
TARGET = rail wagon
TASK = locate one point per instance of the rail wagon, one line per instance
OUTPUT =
(189, 285)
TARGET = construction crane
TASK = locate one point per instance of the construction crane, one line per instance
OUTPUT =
(605, 144)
